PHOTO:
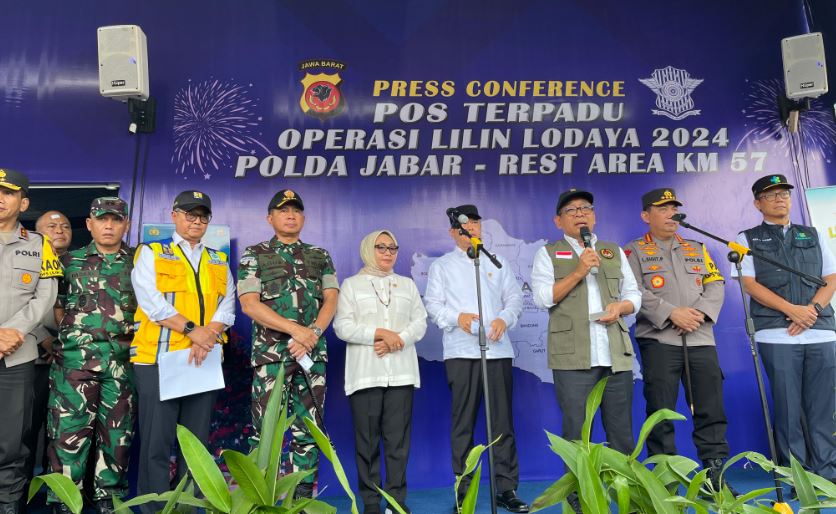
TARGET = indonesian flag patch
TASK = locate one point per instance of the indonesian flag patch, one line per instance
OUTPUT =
(563, 255)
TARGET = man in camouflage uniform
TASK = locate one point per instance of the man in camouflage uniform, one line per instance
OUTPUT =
(289, 289)
(92, 391)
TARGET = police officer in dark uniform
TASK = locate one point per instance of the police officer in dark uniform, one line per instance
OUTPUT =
(682, 293)
(794, 326)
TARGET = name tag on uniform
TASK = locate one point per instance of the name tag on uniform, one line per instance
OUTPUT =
(563, 255)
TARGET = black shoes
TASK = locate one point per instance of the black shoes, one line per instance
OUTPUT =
(511, 502)
(304, 490)
(60, 508)
(10, 508)
(574, 502)
(104, 506)
(715, 467)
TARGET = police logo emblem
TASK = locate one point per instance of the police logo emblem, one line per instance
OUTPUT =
(321, 94)
(197, 194)
(654, 267)
(607, 253)
(26, 278)
(673, 88)
(657, 281)
(154, 232)
(696, 269)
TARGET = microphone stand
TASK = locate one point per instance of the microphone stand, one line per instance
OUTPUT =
(473, 253)
(736, 256)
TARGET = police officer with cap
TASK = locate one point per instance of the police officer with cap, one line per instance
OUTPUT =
(682, 293)
(290, 289)
(794, 326)
(186, 297)
(28, 266)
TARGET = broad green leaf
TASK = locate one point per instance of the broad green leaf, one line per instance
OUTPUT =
(590, 488)
(286, 485)
(654, 419)
(64, 488)
(751, 495)
(328, 451)
(567, 450)
(469, 503)
(593, 401)
(136, 501)
(241, 503)
(696, 484)
(204, 470)
(698, 507)
(187, 499)
(618, 462)
(391, 501)
(556, 492)
(806, 494)
(622, 491)
(472, 459)
(756, 509)
(248, 477)
(270, 509)
(172, 500)
(319, 507)
(682, 467)
(655, 490)
(269, 422)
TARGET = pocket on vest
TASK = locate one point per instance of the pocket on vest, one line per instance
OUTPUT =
(560, 335)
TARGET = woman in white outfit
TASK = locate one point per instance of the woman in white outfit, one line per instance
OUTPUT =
(380, 316)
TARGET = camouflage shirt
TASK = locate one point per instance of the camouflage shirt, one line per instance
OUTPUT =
(99, 306)
(290, 279)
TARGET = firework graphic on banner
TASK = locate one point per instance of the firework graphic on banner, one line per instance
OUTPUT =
(763, 125)
(214, 122)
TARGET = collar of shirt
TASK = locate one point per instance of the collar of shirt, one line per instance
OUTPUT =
(92, 249)
(185, 245)
(578, 247)
(785, 228)
(275, 243)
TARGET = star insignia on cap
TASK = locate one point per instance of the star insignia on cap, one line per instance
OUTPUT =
(775, 179)
(667, 195)
(198, 194)
(290, 195)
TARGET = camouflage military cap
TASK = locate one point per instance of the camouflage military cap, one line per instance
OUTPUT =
(108, 205)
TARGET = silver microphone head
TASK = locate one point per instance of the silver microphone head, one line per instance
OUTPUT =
(462, 218)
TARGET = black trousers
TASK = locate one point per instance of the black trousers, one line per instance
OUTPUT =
(464, 376)
(386, 412)
(572, 388)
(40, 404)
(158, 431)
(663, 367)
(16, 394)
(802, 379)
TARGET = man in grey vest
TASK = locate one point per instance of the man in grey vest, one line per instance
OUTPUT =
(682, 293)
(587, 288)
(794, 326)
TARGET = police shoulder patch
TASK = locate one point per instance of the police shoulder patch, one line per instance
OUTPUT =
(50, 265)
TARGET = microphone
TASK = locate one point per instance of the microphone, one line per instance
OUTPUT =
(679, 216)
(461, 218)
(457, 219)
(586, 236)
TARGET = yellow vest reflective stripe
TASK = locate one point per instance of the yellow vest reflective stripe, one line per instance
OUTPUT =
(195, 295)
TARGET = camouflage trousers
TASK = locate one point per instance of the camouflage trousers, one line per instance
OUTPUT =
(303, 453)
(92, 409)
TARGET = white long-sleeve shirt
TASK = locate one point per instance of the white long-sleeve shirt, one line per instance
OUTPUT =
(152, 301)
(542, 282)
(451, 290)
(780, 335)
(367, 303)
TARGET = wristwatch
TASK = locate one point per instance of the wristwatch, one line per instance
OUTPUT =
(316, 330)
(818, 308)
(188, 327)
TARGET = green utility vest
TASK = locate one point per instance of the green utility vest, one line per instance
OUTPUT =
(569, 343)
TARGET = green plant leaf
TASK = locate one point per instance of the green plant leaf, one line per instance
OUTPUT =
(653, 420)
(270, 421)
(241, 503)
(391, 501)
(171, 500)
(270, 509)
(696, 484)
(248, 477)
(654, 488)
(593, 401)
(698, 507)
(328, 451)
(591, 490)
(567, 451)
(556, 492)
(751, 495)
(806, 494)
(205, 472)
(286, 485)
(187, 499)
(622, 491)
(319, 507)
(469, 503)
(64, 488)
(136, 501)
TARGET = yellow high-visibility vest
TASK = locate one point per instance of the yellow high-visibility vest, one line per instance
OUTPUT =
(195, 295)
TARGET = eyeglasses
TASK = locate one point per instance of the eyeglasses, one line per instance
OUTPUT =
(583, 209)
(771, 197)
(382, 249)
(191, 218)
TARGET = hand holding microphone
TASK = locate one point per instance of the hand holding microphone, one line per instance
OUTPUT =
(588, 259)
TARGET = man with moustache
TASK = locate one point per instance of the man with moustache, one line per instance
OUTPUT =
(56, 226)
(451, 302)
(682, 293)
(27, 293)
(92, 403)
(588, 290)
(290, 290)
(186, 297)
(794, 326)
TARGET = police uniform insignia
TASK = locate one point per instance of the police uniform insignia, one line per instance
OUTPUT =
(699, 281)
(654, 267)
(802, 235)
(696, 269)
(607, 253)
(490, 274)
(657, 281)
(26, 278)
(198, 194)
(650, 252)
(628, 252)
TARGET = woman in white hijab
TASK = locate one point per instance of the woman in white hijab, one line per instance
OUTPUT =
(380, 316)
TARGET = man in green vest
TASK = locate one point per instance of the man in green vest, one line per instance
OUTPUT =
(587, 286)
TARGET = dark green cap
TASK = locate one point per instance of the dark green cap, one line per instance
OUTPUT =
(108, 205)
